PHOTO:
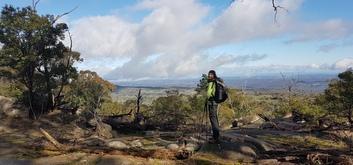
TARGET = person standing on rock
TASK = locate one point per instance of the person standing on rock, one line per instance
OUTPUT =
(212, 105)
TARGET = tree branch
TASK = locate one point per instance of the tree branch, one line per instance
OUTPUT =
(34, 4)
(64, 78)
(121, 115)
(275, 9)
(66, 13)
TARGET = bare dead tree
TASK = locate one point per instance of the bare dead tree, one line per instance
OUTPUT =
(66, 13)
(137, 107)
(138, 101)
(290, 83)
(34, 4)
(275, 7)
(138, 116)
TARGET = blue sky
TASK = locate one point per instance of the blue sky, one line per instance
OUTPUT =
(138, 39)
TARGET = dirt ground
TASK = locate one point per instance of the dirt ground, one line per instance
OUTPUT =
(21, 142)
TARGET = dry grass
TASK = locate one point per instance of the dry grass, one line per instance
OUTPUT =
(306, 141)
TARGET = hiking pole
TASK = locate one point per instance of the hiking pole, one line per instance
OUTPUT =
(203, 121)
(206, 111)
(200, 124)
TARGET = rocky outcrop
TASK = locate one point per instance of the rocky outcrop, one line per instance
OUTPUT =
(8, 108)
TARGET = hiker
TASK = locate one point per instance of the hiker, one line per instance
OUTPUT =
(212, 105)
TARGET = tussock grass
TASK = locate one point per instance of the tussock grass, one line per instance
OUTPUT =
(306, 141)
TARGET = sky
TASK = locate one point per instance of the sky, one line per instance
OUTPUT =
(152, 39)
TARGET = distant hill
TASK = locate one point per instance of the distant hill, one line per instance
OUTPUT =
(305, 82)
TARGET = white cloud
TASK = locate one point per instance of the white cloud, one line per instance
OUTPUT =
(340, 65)
(247, 19)
(172, 39)
(167, 67)
(343, 64)
(333, 29)
(103, 36)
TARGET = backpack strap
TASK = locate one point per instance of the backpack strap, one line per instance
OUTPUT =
(214, 85)
(220, 81)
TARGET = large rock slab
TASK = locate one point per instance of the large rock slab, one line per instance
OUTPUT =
(235, 137)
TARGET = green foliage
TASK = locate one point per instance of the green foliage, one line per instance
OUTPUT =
(110, 107)
(202, 85)
(242, 104)
(307, 106)
(197, 102)
(172, 109)
(10, 89)
(339, 96)
(225, 115)
(34, 51)
(305, 141)
(89, 91)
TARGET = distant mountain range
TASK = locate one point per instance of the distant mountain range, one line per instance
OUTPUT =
(304, 82)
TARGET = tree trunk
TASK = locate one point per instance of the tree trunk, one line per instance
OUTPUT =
(49, 92)
(31, 111)
(350, 120)
(138, 116)
(29, 83)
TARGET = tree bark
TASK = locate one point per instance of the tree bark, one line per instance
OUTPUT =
(350, 120)
(29, 83)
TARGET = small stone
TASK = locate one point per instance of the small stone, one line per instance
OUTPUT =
(136, 143)
(173, 147)
(290, 158)
(105, 130)
(107, 127)
(94, 141)
(92, 122)
(14, 113)
(191, 147)
(268, 161)
(4, 129)
(117, 145)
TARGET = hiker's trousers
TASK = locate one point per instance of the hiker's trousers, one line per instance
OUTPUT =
(212, 110)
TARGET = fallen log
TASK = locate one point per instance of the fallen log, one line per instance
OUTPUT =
(162, 134)
(270, 121)
(58, 145)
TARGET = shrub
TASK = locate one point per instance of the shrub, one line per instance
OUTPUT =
(339, 96)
